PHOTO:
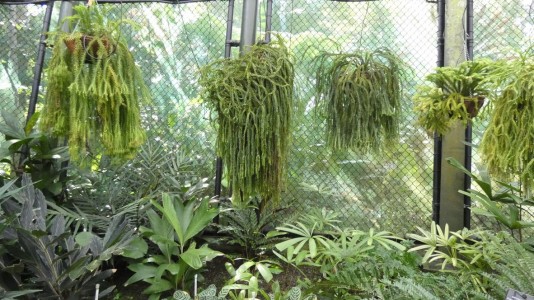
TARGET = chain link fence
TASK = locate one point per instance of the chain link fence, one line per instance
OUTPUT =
(391, 190)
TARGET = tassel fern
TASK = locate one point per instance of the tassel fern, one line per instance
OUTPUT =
(507, 144)
(94, 93)
(252, 98)
(359, 94)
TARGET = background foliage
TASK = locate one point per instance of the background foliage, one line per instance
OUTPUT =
(392, 190)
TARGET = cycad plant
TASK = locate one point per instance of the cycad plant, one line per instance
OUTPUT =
(94, 90)
(252, 101)
(359, 94)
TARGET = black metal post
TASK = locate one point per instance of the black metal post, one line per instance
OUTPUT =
(37, 72)
(268, 21)
(40, 60)
(469, 128)
(437, 138)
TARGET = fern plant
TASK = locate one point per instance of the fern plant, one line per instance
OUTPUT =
(507, 144)
(94, 88)
(515, 270)
(359, 94)
(247, 226)
(252, 100)
(453, 94)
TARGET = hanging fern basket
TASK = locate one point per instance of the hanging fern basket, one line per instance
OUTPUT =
(252, 101)
(453, 95)
(507, 146)
(359, 95)
(94, 94)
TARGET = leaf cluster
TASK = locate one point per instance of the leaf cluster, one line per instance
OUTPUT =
(94, 92)
(454, 93)
(501, 201)
(60, 262)
(359, 94)
(26, 150)
(173, 231)
(251, 99)
(248, 226)
(506, 145)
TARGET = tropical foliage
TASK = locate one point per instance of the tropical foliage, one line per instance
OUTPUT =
(252, 101)
(359, 94)
(95, 90)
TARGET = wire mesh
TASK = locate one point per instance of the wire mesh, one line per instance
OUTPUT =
(20, 30)
(391, 190)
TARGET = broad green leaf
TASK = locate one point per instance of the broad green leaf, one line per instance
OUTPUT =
(84, 238)
(264, 271)
(137, 248)
(158, 286)
(142, 272)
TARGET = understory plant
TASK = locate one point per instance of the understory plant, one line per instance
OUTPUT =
(248, 226)
(94, 89)
(54, 259)
(504, 202)
(328, 247)
(173, 230)
(359, 94)
(248, 281)
(507, 144)
(95, 196)
(27, 150)
(251, 99)
(453, 93)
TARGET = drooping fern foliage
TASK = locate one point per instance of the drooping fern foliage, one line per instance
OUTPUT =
(252, 100)
(359, 94)
(94, 91)
(515, 270)
(433, 286)
(507, 146)
(453, 93)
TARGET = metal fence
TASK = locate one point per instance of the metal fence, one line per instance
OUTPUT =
(391, 190)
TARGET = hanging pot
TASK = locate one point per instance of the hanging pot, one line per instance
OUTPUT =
(473, 105)
(90, 48)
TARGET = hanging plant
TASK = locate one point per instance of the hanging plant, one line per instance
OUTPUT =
(453, 94)
(359, 94)
(94, 89)
(507, 146)
(252, 98)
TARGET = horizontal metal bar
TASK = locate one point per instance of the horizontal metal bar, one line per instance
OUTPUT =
(108, 1)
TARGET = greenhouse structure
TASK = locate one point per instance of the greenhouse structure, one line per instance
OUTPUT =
(267, 149)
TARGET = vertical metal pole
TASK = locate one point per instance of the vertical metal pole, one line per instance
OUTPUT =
(37, 73)
(268, 21)
(469, 29)
(40, 61)
(452, 205)
(248, 24)
(229, 26)
(437, 138)
(65, 11)
(227, 54)
(469, 129)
